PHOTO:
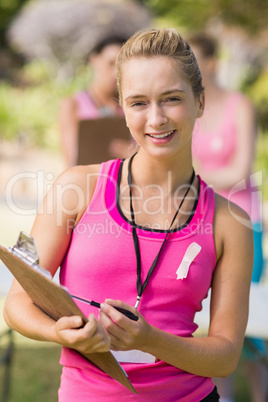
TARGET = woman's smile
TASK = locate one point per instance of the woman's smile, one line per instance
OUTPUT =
(162, 138)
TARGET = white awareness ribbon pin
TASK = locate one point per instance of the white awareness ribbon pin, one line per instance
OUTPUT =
(192, 251)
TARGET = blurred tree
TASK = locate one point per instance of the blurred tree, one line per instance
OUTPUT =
(194, 14)
(9, 60)
(8, 9)
(63, 32)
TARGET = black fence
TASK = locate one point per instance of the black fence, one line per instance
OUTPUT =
(6, 356)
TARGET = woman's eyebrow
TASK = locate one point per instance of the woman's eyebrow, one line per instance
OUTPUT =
(135, 96)
(171, 91)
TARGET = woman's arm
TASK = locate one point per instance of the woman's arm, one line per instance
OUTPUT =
(240, 166)
(52, 230)
(218, 353)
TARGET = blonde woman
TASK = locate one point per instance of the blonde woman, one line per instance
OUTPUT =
(149, 236)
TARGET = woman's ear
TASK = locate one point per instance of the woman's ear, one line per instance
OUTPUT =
(201, 105)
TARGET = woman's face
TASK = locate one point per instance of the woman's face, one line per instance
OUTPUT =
(207, 64)
(159, 105)
(104, 68)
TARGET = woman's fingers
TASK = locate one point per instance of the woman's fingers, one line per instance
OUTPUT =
(125, 333)
(88, 338)
(69, 322)
(119, 317)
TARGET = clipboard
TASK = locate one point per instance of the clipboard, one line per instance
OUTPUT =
(53, 299)
(95, 136)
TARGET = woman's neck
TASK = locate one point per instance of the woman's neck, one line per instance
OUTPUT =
(157, 191)
(168, 174)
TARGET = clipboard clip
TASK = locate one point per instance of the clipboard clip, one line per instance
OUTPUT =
(26, 250)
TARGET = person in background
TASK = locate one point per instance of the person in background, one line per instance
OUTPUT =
(223, 151)
(99, 100)
(147, 235)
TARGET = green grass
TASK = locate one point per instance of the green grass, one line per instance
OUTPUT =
(35, 375)
(35, 372)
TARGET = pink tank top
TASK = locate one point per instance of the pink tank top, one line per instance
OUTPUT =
(215, 149)
(101, 263)
(86, 108)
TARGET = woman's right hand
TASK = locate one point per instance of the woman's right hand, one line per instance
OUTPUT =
(91, 338)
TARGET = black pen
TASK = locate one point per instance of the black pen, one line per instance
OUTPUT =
(127, 313)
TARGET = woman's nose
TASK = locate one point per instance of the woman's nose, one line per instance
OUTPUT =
(156, 116)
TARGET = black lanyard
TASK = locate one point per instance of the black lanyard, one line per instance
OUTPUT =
(140, 286)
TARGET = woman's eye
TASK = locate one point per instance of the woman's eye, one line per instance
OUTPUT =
(137, 104)
(173, 99)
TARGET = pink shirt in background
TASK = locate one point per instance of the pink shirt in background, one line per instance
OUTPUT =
(215, 149)
(86, 108)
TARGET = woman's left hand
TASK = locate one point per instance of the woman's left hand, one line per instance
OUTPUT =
(125, 333)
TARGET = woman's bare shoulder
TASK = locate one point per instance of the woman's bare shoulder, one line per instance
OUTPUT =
(225, 207)
(75, 187)
(78, 175)
(231, 224)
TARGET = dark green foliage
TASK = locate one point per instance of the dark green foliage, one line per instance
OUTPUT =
(194, 14)
(8, 9)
